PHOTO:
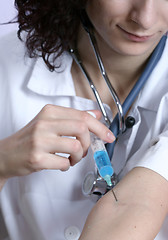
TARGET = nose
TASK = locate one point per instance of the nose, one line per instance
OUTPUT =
(144, 13)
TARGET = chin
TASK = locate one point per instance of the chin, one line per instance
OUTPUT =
(135, 49)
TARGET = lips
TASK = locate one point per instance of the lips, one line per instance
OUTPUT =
(136, 37)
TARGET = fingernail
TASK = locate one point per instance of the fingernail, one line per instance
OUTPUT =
(111, 136)
(92, 113)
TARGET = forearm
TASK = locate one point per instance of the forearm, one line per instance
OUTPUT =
(120, 222)
(138, 214)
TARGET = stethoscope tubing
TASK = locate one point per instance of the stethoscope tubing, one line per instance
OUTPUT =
(154, 59)
(118, 125)
(105, 76)
(78, 61)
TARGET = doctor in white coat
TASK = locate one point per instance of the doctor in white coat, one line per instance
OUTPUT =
(45, 128)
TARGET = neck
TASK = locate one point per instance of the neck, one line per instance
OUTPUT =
(123, 71)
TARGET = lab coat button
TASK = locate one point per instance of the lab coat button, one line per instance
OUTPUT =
(72, 233)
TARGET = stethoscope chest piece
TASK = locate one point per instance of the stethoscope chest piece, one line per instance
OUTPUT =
(94, 184)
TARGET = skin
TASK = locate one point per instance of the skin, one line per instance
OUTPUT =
(139, 213)
(33, 148)
(142, 194)
(142, 18)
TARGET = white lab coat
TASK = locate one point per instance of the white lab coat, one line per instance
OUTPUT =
(49, 205)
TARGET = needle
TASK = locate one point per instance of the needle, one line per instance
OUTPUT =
(114, 195)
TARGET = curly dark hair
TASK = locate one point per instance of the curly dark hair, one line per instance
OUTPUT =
(51, 26)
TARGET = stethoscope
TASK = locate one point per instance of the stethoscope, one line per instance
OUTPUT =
(93, 183)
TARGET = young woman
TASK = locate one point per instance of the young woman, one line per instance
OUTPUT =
(45, 126)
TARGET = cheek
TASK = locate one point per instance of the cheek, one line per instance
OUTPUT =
(96, 11)
(105, 13)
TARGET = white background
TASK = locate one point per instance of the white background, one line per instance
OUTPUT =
(7, 13)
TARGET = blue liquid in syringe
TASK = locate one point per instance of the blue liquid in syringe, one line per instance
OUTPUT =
(103, 163)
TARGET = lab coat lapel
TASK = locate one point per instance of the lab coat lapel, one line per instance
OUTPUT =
(44, 82)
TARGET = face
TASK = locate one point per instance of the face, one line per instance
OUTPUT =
(129, 27)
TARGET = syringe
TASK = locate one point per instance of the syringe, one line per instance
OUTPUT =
(102, 160)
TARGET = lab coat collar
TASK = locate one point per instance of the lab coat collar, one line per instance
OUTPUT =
(155, 85)
(57, 83)
(60, 82)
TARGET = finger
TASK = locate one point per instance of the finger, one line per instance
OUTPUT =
(75, 128)
(97, 127)
(66, 145)
(56, 112)
(47, 137)
(50, 111)
(93, 125)
(51, 130)
(72, 147)
(49, 161)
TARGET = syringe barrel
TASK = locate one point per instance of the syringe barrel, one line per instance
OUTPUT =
(101, 157)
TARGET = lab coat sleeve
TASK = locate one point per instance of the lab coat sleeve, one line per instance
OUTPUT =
(154, 155)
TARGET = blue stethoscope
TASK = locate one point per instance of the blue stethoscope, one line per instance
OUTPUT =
(93, 183)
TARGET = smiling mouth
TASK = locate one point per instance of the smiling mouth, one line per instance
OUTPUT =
(136, 37)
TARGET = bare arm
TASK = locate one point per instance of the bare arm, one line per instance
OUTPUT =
(139, 213)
